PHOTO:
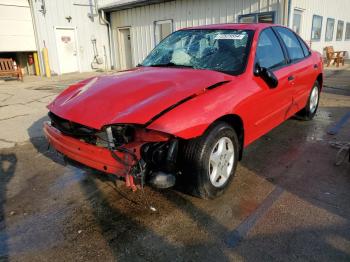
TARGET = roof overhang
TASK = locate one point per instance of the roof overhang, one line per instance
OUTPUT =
(127, 4)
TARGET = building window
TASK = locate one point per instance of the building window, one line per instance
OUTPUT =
(265, 17)
(247, 19)
(297, 21)
(162, 29)
(329, 29)
(316, 28)
(340, 29)
(347, 31)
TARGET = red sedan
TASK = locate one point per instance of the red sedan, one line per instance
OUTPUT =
(188, 111)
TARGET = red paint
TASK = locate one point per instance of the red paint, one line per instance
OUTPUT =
(146, 135)
(138, 95)
(95, 157)
(98, 157)
(131, 97)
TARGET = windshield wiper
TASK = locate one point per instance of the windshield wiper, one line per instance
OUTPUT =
(171, 64)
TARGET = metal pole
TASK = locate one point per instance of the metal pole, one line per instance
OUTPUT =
(46, 61)
(36, 64)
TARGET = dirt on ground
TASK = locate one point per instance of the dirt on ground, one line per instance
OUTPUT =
(288, 201)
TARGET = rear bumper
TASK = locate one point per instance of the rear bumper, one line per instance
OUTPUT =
(93, 156)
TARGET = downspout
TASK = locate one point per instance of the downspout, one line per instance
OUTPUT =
(289, 12)
(36, 37)
(110, 40)
(286, 12)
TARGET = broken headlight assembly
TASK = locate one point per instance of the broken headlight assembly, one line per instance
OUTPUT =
(146, 152)
(118, 135)
(123, 134)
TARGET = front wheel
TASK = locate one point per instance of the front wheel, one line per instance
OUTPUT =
(309, 111)
(210, 161)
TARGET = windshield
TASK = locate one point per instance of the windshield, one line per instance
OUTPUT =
(220, 50)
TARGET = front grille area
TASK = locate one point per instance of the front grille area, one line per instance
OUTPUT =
(70, 128)
(122, 134)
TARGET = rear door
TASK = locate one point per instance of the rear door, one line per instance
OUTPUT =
(270, 106)
(301, 67)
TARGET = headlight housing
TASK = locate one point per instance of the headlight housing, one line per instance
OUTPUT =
(121, 134)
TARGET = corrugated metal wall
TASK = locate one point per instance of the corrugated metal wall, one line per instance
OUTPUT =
(16, 28)
(86, 28)
(184, 13)
(336, 9)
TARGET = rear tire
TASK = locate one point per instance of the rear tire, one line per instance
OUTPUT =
(210, 161)
(309, 111)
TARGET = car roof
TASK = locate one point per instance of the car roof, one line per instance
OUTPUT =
(239, 26)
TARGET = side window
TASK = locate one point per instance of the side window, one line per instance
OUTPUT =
(347, 31)
(340, 29)
(316, 29)
(264, 17)
(329, 29)
(297, 20)
(269, 52)
(162, 29)
(292, 43)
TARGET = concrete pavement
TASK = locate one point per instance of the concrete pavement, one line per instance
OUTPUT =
(22, 103)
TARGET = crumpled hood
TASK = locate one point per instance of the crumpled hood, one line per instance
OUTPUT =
(132, 96)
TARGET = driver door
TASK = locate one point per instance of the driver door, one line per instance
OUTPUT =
(270, 106)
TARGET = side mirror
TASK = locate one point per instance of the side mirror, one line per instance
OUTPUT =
(267, 75)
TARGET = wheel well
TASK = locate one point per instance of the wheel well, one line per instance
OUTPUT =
(319, 79)
(236, 122)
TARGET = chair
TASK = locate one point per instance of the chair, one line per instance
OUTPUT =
(336, 56)
(7, 68)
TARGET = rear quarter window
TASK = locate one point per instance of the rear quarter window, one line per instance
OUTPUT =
(305, 48)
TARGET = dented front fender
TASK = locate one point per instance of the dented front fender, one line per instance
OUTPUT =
(193, 117)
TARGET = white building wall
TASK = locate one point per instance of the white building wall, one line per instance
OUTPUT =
(86, 28)
(336, 9)
(184, 13)
(16, 28)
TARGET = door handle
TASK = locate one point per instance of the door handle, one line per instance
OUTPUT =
(291, 78)
(315, 66)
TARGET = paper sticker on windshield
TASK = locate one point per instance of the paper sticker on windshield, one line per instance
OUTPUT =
(230, 36)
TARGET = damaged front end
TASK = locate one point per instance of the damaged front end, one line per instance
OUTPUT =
(138, 154)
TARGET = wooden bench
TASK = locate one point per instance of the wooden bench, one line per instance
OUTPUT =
(7, 68)
(336, 56)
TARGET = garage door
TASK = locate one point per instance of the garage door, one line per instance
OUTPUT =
(16, 28)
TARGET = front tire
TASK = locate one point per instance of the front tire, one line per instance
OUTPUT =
(309, 111)
(210, 161)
